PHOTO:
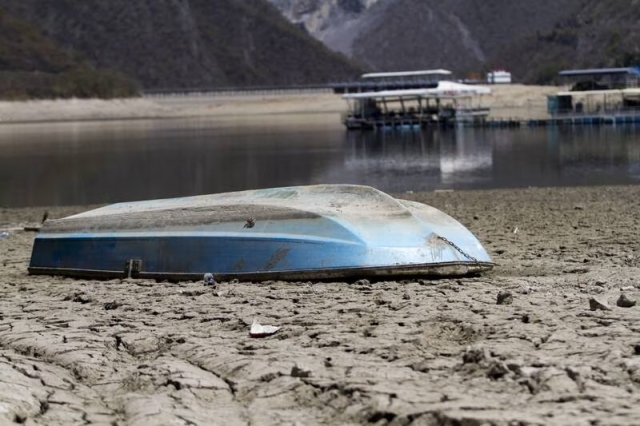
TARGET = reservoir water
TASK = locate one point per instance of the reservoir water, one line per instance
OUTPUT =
(110, 161)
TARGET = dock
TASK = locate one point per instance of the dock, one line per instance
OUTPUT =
(576, 120)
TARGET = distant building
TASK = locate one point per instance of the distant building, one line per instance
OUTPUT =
(499, 77)
(602, 78)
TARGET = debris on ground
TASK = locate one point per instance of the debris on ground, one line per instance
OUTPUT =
(258, 330)
(595, 304)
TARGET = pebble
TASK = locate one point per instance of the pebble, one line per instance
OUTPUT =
(596, 303)
(209, 280)
(110, 306)
(504, 298)
(300, 372)
(474, 356)
(625, 301)
(81, 298)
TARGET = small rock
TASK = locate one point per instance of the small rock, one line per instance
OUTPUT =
(474, 356)
(209, 280)
(595, 304)
(476, 217)
(82, 298)
(406, 296)
(504, 298)
(636, 349)
(110, 306)
(362, 282)
(600, 283)
(300, 372)
(625, 301)
(497, 370)
(578, 207)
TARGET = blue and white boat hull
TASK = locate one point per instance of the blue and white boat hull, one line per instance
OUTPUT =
(297, 233)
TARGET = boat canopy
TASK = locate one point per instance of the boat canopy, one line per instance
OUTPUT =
(599, 71)
(406, 74)
(445, 89)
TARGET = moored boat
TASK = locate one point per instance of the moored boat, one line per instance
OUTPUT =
(306, 232)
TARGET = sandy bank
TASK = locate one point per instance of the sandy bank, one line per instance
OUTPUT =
(413, 352)
(506, 101)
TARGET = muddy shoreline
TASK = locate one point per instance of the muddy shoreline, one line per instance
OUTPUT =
(420, 352)
(507, 101)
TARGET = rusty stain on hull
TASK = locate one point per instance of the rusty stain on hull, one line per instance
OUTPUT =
(276, 258)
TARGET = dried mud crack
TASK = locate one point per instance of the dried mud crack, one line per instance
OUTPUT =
(421, 352)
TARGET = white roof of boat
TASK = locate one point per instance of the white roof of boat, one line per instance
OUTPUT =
(384, 94)
(406, 73)
(599, 71)
(445, 89)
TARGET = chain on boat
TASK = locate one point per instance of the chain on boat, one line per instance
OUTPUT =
(458, 249)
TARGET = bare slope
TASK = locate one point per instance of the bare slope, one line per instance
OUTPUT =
(32, 66)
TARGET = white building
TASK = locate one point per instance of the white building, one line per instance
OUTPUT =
(499, 77)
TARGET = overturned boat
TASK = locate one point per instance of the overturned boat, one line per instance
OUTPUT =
(296, 233)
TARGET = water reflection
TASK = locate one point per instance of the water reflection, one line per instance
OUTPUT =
(87, 163)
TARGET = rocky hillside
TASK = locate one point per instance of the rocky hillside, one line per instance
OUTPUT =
(31, 66)
(532, 38)
(185, 43)
(600, 34)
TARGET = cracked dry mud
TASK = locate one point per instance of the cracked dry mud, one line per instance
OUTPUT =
(412, 352)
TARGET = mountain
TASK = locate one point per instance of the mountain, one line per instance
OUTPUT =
(599, 34)
(185, 43)
(533, 39)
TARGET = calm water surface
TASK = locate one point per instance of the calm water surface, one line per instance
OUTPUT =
(103, 162)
